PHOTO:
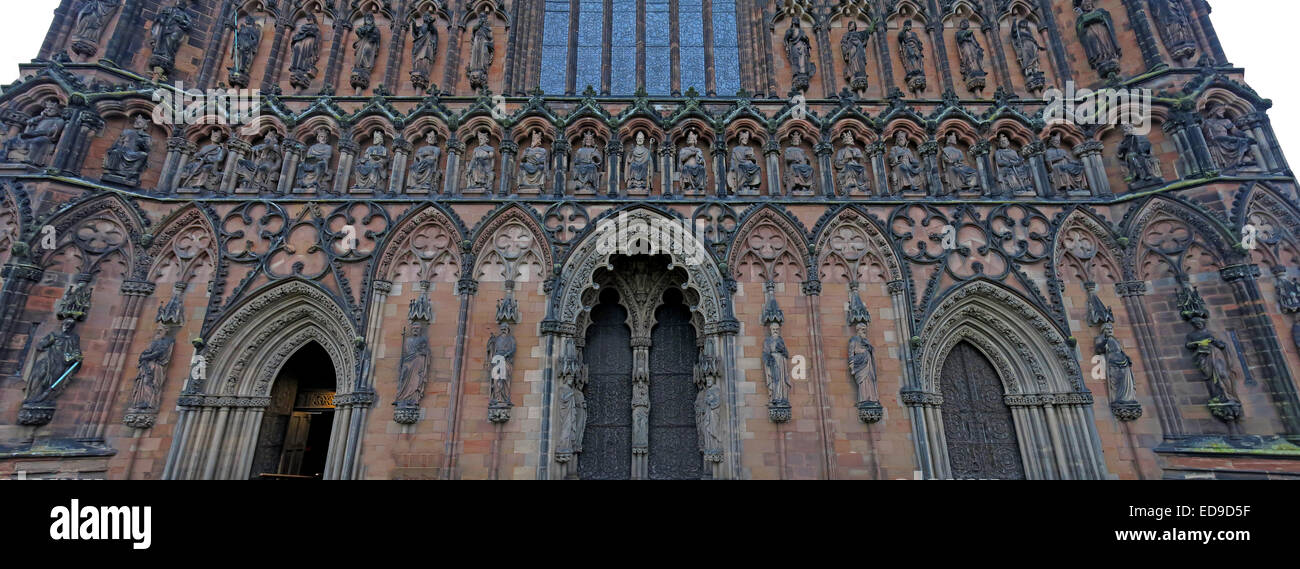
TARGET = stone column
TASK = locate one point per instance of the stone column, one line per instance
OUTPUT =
(1137, 17)
(18, 280)
(824, 149)
(560, 155)
(238, 150)
(347, 156)
(640, 408)
(719, 153)
(451, 182)
(398, 168)
(667, 166)
(1094, 167)
(1266, 348)
(929, 151)
(772, 152)
(94, 420)
(1034, 152)
(876, 153)
(1171, 422)
(614, 167)
(988, 182)
(293, 151)
(506, 179)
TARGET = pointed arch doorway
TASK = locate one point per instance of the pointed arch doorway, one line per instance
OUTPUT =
(980, 433)
(294, 436)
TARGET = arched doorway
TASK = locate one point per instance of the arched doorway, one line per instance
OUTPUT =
(981, 436)
(607, 439)
(674, 446)
(294, 436)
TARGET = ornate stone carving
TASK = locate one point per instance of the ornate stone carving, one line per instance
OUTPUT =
(912, 52)
(745, 175)
(851, 169)
(170, 26)
(1014, 176)
(1066, 173)
(853, 48)
(1097, 33)
(151, 367)
(205, 169)
(639, 164)
(692, 166)
(1176, 27)
(314, 171)
(306, 52)
(58, 356)
(708, 405)
(1211, 357)
(92, 17)
(372, 168)
(364, 51)
(1143, 168)
(413, 373)
(958, 175)
(426, 175)
(1024, 40)
(905, 171)
(243, 50)
(39, 136)
(572, 404)
(501, 349)
(798, 53)
(127, 159)
(799, 175)
(482, 51)
(970, 57)
(424, 50)
(588, 166)
(862, 360)
(261, 170)
(480, 171)
(1229, 145)
(776, 360)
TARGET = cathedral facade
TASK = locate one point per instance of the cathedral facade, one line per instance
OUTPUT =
(644, 239)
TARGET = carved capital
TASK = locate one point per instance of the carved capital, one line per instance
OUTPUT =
(1131, 288)
(23, 272)
(138, 288)
(1239, 272)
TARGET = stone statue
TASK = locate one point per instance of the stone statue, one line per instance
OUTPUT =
(572, 403)
(424, 50)
(640, 406)
(745, 175)
(776, 366)
(365, 49)
(971, 57)
(413, 373)
(957, 174)
(1119, 367)
(1135, 151)
(1024, 40)
(92, 17)
(1211, 358)
(693, 171)
(501, 364)
(853, 47)
(168, 31)
(129, 156)
(1288, 294)
(56, 353)
(708, 405)
(1176, 27)
(1013, 171)
(151, 371)
(1097, 32)
(587, 164)
(261, 170)
(912, 52)
(306, 52)
(372, 169)
(1228, 144)
(425, 174)
(798, 52)
(39, 136)
(1066, 173)
(850, 167)
(314, 170)
(534, 163)
(205, 169)
(482, 169)
(862, 364)
(640, 160)
(799, 175)
(905, 169)
(482, 50)
(244, 49)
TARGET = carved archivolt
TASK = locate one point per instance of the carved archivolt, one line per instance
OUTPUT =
(247, 348)
(769, 249)
(185, 248)
(1086, 250)
(1029, 352)
(853, 249)
(511, 246)
(425, 248)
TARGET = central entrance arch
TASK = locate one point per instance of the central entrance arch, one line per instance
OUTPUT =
(981, 436)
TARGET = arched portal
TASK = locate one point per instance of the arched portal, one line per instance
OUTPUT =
(231, 386)
(981, 436)
(683, 353)
(294, 436)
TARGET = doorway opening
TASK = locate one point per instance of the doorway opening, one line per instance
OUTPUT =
(977, 423)
(294, 438)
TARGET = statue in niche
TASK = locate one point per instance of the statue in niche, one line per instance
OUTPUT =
(1097, 32)
(206, 168)
(482, 50)
(862, 360)
(425, 174)
(365, 49)
(850, 165)
(799, 175)
(129, 155)
(691, 165)
(261, 170)
(306, 53)
(1119, 367)
(39, 135)
(745, 175)
(1176, 27)
(413, 373)
(1013, 171)
(1024, 40)
(708, 405)
(853, 47)
(1067, 174)
(244, 49)
(534, 163)
(151, 368)
(912, 52)
(314, 171)
(56, 354)
(587, 163)
(372, 169)
(906, 173)
(971, 57)
(501, 364)
(572, 403)
(776, 361)
(1228, 144)
(1211, 356)
(168, 31)
(481, 171)
(958, 176)
(640, 160)
(92, 18)
(1135, 151)
(798, 52)
(424, 50)
(1288, 295)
